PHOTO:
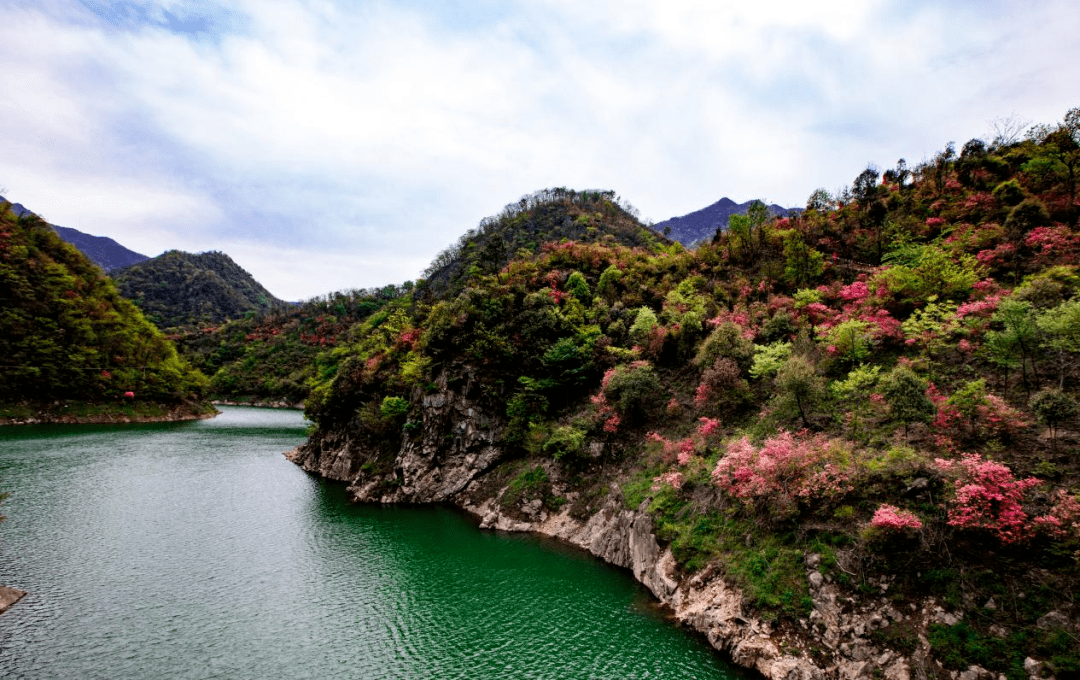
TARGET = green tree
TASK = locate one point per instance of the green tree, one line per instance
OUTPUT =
(1053, 406)
(1018, 339)
(905, 393)
(578, 286)
(1060, 328)
(644, 323)
(799, 387)
(634, 390)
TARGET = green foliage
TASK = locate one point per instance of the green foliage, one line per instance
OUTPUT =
(905, 393)
(1009, 192)
(565, 442)
(578, 286)
(529, 484)
(726, 341)
(799, 389)
(924, 272)
(644, 323)
(68, 334)
(768, 359)
(802, 264)
(181, 289)
(394, 408)
(609, 280)
(634, 390)
(851, 340)
(1053, 406)
(807, 296)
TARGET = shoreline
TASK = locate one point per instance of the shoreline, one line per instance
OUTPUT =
(9, 596)
(46, 416)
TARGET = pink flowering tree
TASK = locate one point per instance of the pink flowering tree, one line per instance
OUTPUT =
(987, 497)
(785, 469)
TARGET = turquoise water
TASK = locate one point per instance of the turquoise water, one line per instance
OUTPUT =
(195, 550)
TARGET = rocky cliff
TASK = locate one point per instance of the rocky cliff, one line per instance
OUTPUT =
(453, 458)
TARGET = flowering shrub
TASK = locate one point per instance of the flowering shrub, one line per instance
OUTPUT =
(988, 497)
(682, 451)
(891, 518)
(785, 468)
(1053, 242)
(1064, 518)
(673, 479)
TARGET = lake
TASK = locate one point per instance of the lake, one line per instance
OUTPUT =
(195, 550)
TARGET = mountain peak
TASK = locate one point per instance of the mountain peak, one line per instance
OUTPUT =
(700, 225)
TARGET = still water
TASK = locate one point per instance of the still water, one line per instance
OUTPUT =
(195, 550)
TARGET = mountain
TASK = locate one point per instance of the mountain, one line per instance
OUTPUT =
(65, 332)
(841, 443)
(182, 289)
(700, 225)
(545, 217)
(102, 250)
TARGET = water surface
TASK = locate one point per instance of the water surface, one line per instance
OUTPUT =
(195, 550)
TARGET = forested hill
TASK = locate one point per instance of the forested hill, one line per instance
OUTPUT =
(271, 357)
(65, 332)
(102, 250)
(867, 409)
(544, 217)
(184, 289)
(701, 225)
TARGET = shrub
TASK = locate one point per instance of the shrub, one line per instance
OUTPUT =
(393, 408)
(988, 497)
(728, 340)
(890, 518)
(644, 323)
(799, 388)
(1053, 406)
(768, 359)
(785, 469)
(632, 390)
(1009, 192)
(565, 442)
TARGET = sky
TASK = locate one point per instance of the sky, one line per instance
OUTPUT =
(327, 145)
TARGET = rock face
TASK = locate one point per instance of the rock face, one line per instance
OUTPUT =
(446, 461)
(9, 596)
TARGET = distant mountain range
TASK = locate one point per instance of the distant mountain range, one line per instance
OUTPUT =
(700, 225)
(101, 250)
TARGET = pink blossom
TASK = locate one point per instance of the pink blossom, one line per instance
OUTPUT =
(988, 497)
(708, 426)
(934, 222)
(856, 292)
(129, 395)
(673, 479)
(892, 518)
(612, 424)
(787, 466)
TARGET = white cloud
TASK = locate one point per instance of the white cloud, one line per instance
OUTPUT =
(378, 132)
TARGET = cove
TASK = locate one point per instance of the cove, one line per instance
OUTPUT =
(195, 550)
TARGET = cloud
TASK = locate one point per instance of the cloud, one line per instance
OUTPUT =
(380, 131)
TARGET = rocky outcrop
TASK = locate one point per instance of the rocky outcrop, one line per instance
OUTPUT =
(9, 596)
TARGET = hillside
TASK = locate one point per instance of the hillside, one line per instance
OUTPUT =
(840, 444)
(184, 289)
(271, 357)
(101, 250)
(701, 225)
(518, 231)
(66, 335)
